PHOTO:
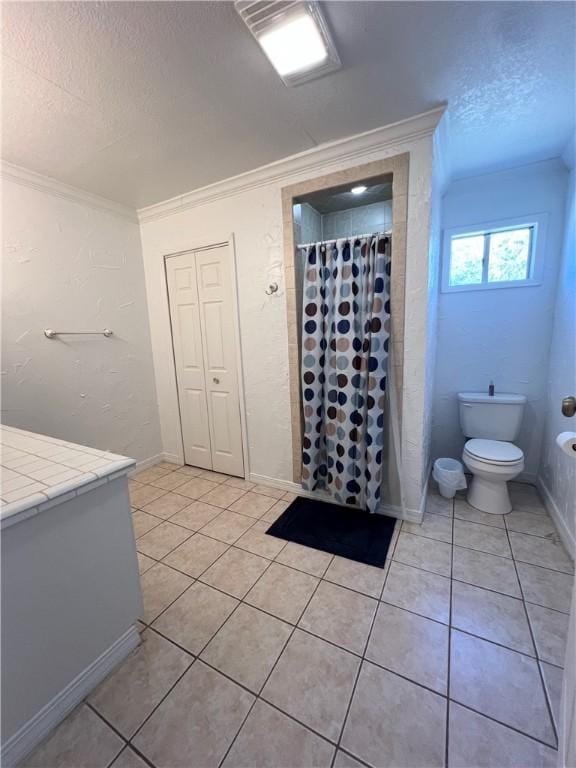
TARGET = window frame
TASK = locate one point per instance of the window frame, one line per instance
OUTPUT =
(536, 222)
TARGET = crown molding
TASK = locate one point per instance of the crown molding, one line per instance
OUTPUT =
(51, 186)
(352, 148)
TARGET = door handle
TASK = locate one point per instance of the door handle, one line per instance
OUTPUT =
(216, 381)
(569, 406)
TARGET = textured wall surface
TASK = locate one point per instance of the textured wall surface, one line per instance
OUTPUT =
(558, 471)
(433, 302)
(501, 335)
(69, 266)
(255, 217)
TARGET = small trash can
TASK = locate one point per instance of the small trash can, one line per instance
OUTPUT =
(449, 474)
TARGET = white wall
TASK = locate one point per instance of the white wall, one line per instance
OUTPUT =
(439, 180)
(252, 211)
(557, 470)
(503, 334)
(68, 265)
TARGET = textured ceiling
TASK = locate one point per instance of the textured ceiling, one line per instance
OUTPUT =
(140, 102)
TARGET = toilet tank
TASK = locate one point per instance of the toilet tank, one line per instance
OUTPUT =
(493, 418)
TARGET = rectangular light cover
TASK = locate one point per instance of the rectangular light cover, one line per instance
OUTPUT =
(294, 45)
(294, 37)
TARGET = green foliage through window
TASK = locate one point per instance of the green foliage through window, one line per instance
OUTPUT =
(490, 257)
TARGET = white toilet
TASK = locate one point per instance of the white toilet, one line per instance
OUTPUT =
(492, 421)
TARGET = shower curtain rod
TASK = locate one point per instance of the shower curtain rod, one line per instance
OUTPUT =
(387, 232)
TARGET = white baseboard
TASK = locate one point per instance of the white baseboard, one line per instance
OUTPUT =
(153, 460)
(38, 727)
(282, 485)
(173, 458)
(147, 463)
(412, 515)
(565, 533)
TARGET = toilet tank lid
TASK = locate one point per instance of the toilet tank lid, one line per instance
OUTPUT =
(483, 397)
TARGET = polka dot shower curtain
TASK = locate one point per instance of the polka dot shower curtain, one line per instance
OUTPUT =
(345, 337)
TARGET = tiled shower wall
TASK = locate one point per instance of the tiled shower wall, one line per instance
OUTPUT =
(357, 221)
(307, 224)
(310, 226)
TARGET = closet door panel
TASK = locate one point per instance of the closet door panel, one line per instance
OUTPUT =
(189, 359)
(213, 269)
(215, 344)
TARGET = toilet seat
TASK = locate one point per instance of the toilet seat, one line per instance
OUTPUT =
(496, 452)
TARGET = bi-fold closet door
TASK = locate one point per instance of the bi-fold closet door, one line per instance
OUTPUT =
(204, 340)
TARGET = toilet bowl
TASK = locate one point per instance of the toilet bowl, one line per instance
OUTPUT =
(493, 463)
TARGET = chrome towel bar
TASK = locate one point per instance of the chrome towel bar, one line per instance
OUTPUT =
(50, 334)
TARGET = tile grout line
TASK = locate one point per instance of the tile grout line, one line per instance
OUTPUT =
(242, 685)
(199, 577)
(195, 657)
(258, 695)
(396, 531)
(192, 534)
(363, 594)
(536, 651)
(461, 546)
(322, 578)
(127, 743)
(452, 517)
(86, 703)
(140, 754)
(449, 661)
(331, 642)
(535, 657)
(504, 725)
(201, 530)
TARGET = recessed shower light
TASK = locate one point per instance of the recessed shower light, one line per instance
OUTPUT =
(359, 190)
(293, 35)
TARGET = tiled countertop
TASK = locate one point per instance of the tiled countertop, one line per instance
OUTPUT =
(38, 470)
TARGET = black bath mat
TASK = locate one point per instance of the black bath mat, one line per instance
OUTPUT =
(343, 531)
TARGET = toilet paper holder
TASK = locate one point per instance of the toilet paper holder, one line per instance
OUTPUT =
(569, 406)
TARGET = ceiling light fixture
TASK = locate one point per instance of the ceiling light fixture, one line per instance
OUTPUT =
(294, 37)
(359, 190)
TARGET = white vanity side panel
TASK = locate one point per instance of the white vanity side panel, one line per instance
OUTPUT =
(70, 589)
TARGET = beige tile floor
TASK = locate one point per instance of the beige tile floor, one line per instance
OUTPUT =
(256, 652)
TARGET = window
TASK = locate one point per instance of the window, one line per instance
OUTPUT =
(492, 256)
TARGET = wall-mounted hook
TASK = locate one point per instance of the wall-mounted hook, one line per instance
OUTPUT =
(272, 288)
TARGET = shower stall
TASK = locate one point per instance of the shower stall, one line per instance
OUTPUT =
(346, 320)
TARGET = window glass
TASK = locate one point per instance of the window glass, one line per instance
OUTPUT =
(485, 258)
(509, 255)
(467, 254)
